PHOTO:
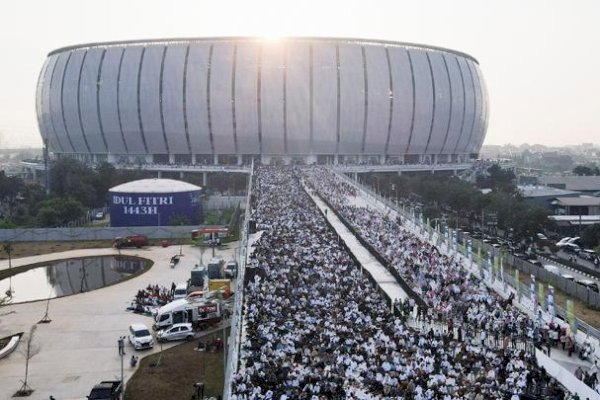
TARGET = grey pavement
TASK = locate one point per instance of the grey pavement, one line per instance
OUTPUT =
(79, 347)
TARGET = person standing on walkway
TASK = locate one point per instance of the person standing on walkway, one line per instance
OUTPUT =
(569, 345)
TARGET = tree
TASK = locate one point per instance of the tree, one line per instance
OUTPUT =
(586, 170)
(498, 179)
(29, 350)
(590, 236)
(106, 176)
(59, 211)
(71, 178)
(10, 188)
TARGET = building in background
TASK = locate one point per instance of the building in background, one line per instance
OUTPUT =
(233, 100)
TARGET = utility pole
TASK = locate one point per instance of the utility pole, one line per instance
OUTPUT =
(121, 344)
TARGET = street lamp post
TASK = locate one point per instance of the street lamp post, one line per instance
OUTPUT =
(8, 248)
(121, 345)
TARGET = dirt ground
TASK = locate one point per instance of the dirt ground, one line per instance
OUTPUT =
(26, 249)
(180, 367)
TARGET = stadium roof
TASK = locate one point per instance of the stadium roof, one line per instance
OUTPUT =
(155, 186)
(250, 38)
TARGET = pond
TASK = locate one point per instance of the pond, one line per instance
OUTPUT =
(71, 276)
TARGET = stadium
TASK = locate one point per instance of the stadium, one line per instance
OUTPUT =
(228, 101)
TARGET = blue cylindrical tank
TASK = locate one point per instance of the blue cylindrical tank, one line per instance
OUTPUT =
(155, 202)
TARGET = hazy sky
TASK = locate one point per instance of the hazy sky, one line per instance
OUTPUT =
(540, 58)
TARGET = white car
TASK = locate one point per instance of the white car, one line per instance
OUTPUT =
(140, 337)
(182, 331)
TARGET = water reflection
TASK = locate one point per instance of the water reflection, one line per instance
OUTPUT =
(71, 276)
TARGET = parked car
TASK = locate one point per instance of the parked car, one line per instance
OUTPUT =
(106, 390)
(99, 215)
(571, 248)
(231, 269)
(589, 284)
(130, 241)
(588, 254)
(181, 331)
(181, 291)
(140, 336)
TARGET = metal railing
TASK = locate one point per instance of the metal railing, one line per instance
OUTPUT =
(235, 334)
(486, 270)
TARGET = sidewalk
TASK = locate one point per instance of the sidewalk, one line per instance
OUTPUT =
(79, 347)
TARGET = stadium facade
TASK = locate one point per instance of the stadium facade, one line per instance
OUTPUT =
(229, 100)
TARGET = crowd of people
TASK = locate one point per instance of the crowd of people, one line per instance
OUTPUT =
(316, 328)
(452, 292)
(152, 296)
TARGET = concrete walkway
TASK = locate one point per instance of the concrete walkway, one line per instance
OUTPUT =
(382, 277)
(79, 347)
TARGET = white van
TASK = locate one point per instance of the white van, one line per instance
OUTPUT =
(180, 291)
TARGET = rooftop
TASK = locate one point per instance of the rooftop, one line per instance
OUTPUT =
(155, 186)
(573, 182)
(578, 201)
(544, 191)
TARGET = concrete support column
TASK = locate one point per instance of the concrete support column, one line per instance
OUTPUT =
(159, 174)
(239, 159)
(355, 176)
(193, 159)
(180, 174)
(216, 159)
(204, 178)
(171, 158)
(335, 159)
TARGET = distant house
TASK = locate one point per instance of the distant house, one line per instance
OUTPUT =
(543, 196)
(584, 205)
(583, 184)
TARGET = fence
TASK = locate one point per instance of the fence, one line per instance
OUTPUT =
(488, 270)
(100, 233)
(215, 202)
(235, 335)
